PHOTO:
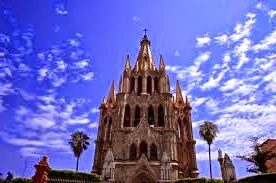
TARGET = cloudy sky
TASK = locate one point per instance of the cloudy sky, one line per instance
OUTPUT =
(59, 57)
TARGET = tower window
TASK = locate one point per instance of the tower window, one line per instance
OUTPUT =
(150, 115)
(153, 152)
(132, 84)
(108, 134)
(140, 85)
(137, 116)
(156, 84)
(127, 116)
(149, 85)
(160, 116)
(179, 129)
(132, 152)
(103, 133)
(143, 148)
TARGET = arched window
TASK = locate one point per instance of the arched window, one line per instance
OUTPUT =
(104, 127)
(149, 85)
(160, 115)
(143, 148)
(127, 116)
(132, 84)
(132, 152)
(137, 115)
(153, 152)
(108, 130)
(140, 84)
(179, 129)
(156, 84)
(150, 115)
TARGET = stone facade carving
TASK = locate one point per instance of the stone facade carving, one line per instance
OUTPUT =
(42, 170)
(270, 146)
(143, 123)
(108, 166)
(227, 167)
(165, 167)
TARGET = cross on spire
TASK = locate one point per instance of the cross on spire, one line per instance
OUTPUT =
(145, 30)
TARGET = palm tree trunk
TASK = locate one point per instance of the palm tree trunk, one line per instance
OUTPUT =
(77, 167)
(210, 161)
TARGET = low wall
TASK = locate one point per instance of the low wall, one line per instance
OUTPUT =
(261, 178)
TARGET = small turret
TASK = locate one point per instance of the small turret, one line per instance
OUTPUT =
(179, 99)
(187, 103)
(168, 84)
(162, 65)
(145, 60)
(121, 88)
(227, 168)
(111, 100)
(127, 64)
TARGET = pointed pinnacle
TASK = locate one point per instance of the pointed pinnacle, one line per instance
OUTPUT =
(161, 64)
(121, 84)
(127, 65)
(111, 96)
(179, 98)
(103, 100)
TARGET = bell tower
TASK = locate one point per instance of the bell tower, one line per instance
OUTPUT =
(143, 127)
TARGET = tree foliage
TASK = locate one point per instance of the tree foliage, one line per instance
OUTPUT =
(208, 131)
(79, 142)
(257, 158)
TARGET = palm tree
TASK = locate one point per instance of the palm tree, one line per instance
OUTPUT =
(79, 142)
(208, 131)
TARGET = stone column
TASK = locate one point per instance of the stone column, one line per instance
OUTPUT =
(42, 170)
(144, 85)
(152, 85)
(135, 85)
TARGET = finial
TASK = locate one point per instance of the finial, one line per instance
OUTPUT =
(111, 96)
(179, 98)
(145, 31)
(161, 64)
(127, 64)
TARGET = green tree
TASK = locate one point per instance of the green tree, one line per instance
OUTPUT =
(9, 177)
(208, 131)
(257, 158)
(79, 142)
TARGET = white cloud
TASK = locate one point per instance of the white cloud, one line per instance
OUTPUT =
(244, 30)
(231, 84)
(95, 110)
(222, 39)
(272, 13)
(78, 120)
(198, 101)
(93, 125)
(266, 43)
(82, 63)
(203, 57)
(30, 152)
(136, 18)
(176, 53)
(202, 41)
(88, 76)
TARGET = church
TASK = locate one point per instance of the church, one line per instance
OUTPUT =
(145, 132)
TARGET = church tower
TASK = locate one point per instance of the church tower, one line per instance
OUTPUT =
(145, 133)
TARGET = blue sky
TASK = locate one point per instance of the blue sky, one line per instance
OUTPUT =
(59, 57)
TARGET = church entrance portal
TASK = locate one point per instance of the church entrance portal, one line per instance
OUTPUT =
(143, 178)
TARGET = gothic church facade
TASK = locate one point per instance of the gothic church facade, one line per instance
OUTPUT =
(145, 133)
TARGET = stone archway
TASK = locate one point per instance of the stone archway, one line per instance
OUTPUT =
(143, 177)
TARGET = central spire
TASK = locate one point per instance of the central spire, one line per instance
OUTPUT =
(145, 60)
